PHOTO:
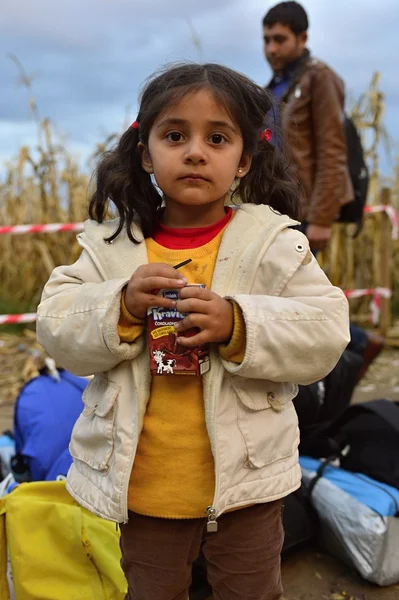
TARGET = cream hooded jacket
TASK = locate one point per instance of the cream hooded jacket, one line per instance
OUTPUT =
(296, 325)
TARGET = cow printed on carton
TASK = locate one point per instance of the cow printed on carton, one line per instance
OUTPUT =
(159, 355)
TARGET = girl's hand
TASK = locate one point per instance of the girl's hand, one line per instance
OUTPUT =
(144, 284)
(210, 313)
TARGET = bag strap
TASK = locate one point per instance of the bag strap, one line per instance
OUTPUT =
(320, 471)
(316, 478)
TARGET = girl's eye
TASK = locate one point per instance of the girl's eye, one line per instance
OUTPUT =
(217, 139)
(174, 136)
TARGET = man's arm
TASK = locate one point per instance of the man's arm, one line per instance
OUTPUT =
(329, 149)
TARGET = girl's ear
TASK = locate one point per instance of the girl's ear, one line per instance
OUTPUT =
(244, 166)
(146, 161)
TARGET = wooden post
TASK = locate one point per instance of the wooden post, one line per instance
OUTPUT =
(385, 255)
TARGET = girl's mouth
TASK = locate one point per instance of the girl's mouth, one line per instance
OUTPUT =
(194, 177)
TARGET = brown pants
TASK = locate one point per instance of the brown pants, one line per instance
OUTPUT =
(243, 557)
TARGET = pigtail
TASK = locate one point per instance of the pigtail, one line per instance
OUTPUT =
(271, 181)
(121, 179)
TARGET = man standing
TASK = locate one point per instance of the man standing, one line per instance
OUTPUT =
(310, 115)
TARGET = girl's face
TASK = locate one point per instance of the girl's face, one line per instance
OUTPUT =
(195, 152)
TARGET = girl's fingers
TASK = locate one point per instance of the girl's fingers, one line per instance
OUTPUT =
(158, 301)
(191, 321)
(141, 302)
(198, 339)
(147, 284)
(193, 305)
(159, 270)
(194, 291)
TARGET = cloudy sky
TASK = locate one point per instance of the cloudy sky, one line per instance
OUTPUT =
(89, 57)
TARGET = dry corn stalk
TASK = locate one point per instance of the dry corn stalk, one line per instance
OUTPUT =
(358, 263)
(21, 358)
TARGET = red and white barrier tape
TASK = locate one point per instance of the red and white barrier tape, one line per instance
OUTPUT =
(47, 228)
(13, 319)
(54, 227)
(375, 305)
(392, 214)
(377, 293)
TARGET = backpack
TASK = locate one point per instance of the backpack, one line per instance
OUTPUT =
(45, 413)
(359, 174)
(365, 438)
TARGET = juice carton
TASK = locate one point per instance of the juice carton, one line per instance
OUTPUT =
(167, 357)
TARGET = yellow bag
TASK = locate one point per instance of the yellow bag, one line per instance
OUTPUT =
(58, 550)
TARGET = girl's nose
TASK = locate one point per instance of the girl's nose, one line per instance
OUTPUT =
(196, 152)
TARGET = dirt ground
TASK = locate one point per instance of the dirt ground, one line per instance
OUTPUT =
(310, 574)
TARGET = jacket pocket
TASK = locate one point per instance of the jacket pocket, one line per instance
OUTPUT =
(92, 439)
(267, 420)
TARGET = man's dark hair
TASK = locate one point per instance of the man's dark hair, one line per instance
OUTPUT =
(291, 14)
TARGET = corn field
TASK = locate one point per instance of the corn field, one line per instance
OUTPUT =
(47, 187)
(370, 260)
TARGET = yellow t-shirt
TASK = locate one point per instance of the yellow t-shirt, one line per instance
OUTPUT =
(173, 471)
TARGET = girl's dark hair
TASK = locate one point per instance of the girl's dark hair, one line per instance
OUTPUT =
(121, 179)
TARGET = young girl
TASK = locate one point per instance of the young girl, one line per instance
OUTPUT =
(184, 463)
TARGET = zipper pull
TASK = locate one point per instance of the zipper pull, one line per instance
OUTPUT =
(211, 525)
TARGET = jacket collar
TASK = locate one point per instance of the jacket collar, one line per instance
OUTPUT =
(295, 71)
(254, 225)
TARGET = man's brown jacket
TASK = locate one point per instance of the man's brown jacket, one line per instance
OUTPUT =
(312, 122)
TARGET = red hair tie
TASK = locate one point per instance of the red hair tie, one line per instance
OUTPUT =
(265, 135)
(135, 125)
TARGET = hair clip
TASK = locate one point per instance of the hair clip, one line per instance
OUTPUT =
(135, 125)
(265, 135)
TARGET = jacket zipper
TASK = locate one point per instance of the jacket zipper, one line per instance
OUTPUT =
(212, 524)
(211, 511)
(133, 454)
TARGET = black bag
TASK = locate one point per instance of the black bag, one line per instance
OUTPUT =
(365, 438)
(325, 400)
(358, 171)
(299, 520)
